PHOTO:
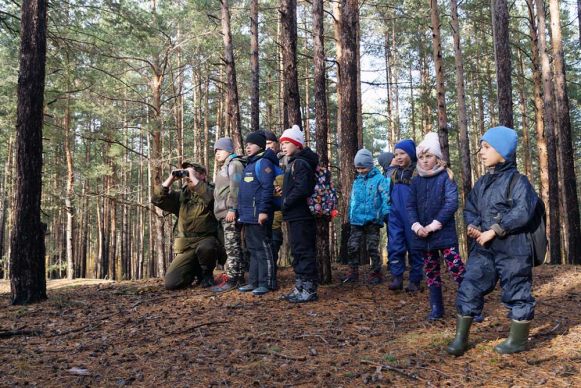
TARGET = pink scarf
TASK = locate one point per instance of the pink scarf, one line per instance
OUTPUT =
(438, 168)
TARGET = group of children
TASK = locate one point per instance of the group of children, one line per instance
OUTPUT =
(415, 197)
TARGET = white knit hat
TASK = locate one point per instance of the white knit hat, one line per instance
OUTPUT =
(431, 144)
(293, 135)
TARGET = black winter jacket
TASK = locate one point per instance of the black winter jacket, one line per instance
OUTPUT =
(299, 184)
(489, 207)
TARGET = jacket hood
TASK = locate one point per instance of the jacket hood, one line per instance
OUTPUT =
(308, 155)
(373, 172)
(268, 154)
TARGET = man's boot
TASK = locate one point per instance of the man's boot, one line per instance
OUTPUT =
(436, 303)
(207, 279)
(460, 343)
(396, 283)
(517, 338)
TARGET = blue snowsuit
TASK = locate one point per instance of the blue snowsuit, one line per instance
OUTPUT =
(254, 197)
(508, 257)
(368, 208)
(400, 234)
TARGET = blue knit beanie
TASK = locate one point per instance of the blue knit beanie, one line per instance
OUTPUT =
(409, 147)
(504, 140)
(363, 158)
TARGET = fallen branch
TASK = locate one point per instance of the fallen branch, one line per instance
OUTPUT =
(281, 355)
(190, 329)
(411, 376)
(14, 333)
(312, 335)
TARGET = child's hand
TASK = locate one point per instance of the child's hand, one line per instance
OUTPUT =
(422, 232)
(473, 232)
(486, 237)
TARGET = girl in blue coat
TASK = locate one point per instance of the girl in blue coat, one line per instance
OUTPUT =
(431, 207)
(368, 209)
(400, 235)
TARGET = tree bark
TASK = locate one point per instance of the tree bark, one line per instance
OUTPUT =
(348, 110)
(440, 88)
(321, 132)
(566, 154)
(553, 221)
(288, 19)
(463, 138)
(70, 188)
(232, 106)
(503, 63)
(526, 146)
(254, 68)
(27, 250)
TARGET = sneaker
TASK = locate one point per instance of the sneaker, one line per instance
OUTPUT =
(228, 285)
(352, 276)
(246, 288)
(260, 291)
(295, 291)
(304, 296)
(396, 283)
(221, 279)
(375, 278)
(413, 287)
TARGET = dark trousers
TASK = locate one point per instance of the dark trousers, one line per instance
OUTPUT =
(302, 238)
(196, 261)
(371, 234)
(398, 244)
(484, 269)
(258, 242)
(277, 240)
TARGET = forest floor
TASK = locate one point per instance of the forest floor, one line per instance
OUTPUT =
(137, 333)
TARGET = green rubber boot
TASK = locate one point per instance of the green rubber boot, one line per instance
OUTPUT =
(517, 339)
(460, 343)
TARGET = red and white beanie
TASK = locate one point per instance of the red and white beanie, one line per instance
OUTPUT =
(293, 135)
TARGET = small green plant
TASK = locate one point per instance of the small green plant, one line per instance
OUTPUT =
(390, 358)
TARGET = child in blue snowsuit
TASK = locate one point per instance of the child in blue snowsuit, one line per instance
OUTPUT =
(431, 208)
(400, 235)
(368, 208)
(256, 211)
(499, 249)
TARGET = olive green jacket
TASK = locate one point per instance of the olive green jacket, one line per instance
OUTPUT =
(194, 210)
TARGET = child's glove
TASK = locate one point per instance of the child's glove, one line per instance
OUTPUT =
(419, 230)
(434, 226)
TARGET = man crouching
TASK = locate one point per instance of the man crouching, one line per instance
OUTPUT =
(196, 246)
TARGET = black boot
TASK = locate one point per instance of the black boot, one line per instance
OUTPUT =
(396, 283)
(517, 338)
(295, 291)
(307, 294)
(460, 343)
(436, 303)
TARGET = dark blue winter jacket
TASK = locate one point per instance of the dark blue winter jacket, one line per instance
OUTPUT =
(434, 198)
(489, 207)
(370, 201)
(299, 184)
(256, 190)
(400, 182)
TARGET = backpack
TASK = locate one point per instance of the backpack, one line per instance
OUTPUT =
(323, 201)
(536, 227)
(278, 172)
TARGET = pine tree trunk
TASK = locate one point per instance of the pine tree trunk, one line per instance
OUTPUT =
(553, 221)
(440, 88)
(463, 138)
(348, 110)
(321, 133)
(503, 63)
(27, 249)
(288, 19)
(254, 68)
(526, 146)
(543, 171)
(390, 121)
(566, 154)
(4, 203)
(232, 105)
